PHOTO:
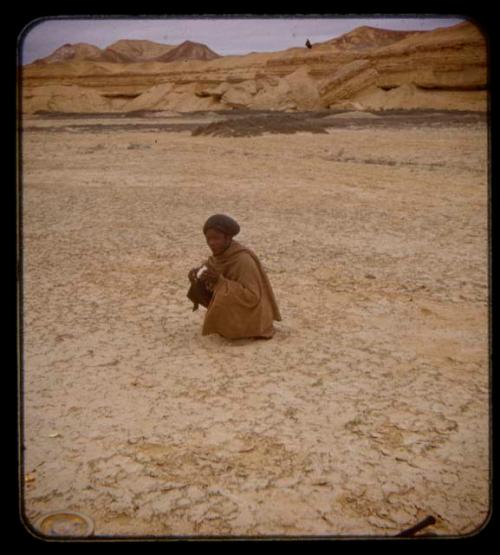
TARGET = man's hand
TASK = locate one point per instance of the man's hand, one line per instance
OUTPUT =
(209, 277)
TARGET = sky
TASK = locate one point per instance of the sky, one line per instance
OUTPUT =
(228, 36)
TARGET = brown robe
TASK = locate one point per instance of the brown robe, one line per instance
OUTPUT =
(243, 303)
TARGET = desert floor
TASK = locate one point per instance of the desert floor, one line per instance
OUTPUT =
(367, 411)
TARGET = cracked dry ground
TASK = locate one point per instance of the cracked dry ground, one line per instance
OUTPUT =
(368, 410)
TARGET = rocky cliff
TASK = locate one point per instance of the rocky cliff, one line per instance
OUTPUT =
(368, 68)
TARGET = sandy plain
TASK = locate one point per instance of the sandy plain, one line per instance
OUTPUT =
(368, 410)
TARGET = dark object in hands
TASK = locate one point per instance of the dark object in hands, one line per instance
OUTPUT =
(414, 529)
(199, 294)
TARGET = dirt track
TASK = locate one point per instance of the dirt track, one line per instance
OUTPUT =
(367, 411)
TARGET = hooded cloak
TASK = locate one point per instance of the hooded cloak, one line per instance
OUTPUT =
(243, 302)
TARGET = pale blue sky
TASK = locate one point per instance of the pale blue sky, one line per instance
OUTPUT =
(224, 36)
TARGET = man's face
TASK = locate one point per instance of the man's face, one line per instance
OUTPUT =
(217, 242)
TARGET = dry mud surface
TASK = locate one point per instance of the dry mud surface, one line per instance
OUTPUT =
(368, 410)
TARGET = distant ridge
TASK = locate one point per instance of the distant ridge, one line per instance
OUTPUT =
(369, 37)
(189, 51)
(72, 53)
(129, 51)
